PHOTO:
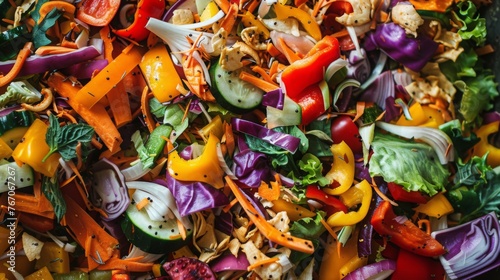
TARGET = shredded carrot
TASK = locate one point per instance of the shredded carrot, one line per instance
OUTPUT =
(299, 3)
(224, 5)
(260, 263)
(329, 229)
(270, 193)
(119, 104)
(384, 17)
(381, 194)
(487, 49)
(68, 44)
(141, 204)
(96, 143)
(146, 113)
(252, 5)
(48, 97)
(105, 35)
(230, 205)
(426, 223)
(129, 264)
(263, 74)
(230, 19)
(318, 6)
(360, 109)
(49, 50)
(23, 54)
(229, 138)
(265, 86)
(376, 12)
(272, 50)
(274, 68)
(182, 230)
(341, 33)
(290, 55)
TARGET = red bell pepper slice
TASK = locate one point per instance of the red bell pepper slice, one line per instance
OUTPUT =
(404, 234)
(312, 102)
(412, 266)
(331, 203)
(400, 194)
(146, 9)
(310, 69)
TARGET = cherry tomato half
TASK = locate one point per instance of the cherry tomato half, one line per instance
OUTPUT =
(344, 129)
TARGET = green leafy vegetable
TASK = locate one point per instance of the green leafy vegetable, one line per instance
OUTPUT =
(477, 94)
(461, 143)
(307, 228)
(65, 139)
(19, 92)
(52, 191)
(312, 171)
(370, 114)
(145, 157)
(401, 161)
(174, 116)
(40, 29)
(473, 26)
(157, 109)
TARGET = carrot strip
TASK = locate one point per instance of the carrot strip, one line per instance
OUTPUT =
(130, 265)
(120, 104)
(265, 86)
(360, 109)
(24, 53)
(260, 263)
(182, 229)
(48, 50)
(426, 223)
(105, 35)
(97, 116)
(224, 5)
(487, 49)
(141, 204)
(382, 195)
(340, 33)
(43, 105)
(146, 112)
(230, 19)
(270, 193)
(253, 5)
(230, 205)
(329, 229)
(263, 74)
(99, 245)
(290, 55)
(272, 50)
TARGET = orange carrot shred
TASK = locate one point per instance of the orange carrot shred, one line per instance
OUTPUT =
(141, 204)
(263, 85)
(24, 53)
(381, 194)
(148, 118)
(290, 55)
(426, 223)
(260, 263)
(360, 109)
(270, 193)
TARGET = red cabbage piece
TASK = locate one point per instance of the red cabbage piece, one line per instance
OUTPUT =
(251, 168)
(85, 70)
(359, 66)
(379, 270)
(282, 140)
(192, 197)
(224, 222)
(274, 98)
(473, 247)
(230, 262)
(36, 64)
(391, 39)
(109, 191)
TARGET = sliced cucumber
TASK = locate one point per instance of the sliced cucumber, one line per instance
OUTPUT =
(155, 237)
(231, 92)
(16, 119)
(291, 114)
(13, 175)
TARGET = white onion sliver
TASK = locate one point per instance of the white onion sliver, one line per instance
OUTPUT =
(134, 172)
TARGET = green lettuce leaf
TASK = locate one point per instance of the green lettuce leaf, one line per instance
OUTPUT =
(415, 166)
(473, 25)
(461, 143)
(477, 95)
(312, 172)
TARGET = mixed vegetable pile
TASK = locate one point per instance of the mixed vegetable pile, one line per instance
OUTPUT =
(247, 139)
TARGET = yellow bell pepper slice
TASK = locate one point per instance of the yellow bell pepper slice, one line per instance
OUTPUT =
(360, 193)
(342, 170)
(340, 260)
(483, 147)
(210, 11)
(437, 207)
(160, 74)
(50, 252)
(308, 23)
(108, 77)
(204, 168)
(294, 211)
(33, 149)
(5, 150)
(249, 20)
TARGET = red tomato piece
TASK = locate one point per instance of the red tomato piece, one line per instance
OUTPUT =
(344, 129)
(98, 12)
